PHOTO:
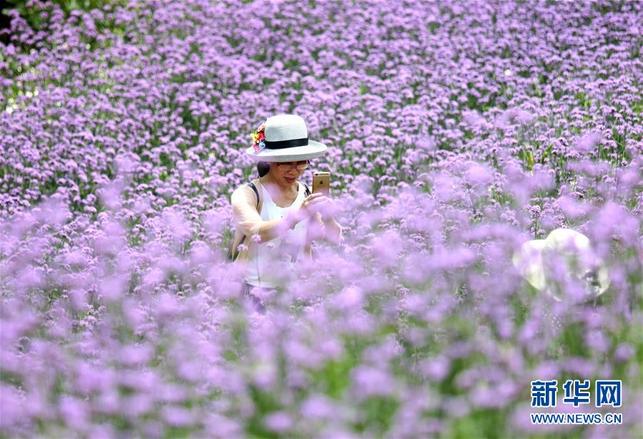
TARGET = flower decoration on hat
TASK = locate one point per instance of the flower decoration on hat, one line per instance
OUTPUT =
(259, 138)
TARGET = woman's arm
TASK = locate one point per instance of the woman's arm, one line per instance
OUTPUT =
(332, 230)
(335, 230)
(244, 211)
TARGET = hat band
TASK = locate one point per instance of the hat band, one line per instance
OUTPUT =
(286, 143)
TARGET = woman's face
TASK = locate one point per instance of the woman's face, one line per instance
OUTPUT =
(286, 173)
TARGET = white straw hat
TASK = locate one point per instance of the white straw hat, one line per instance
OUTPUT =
(579, 259)
(284, 138)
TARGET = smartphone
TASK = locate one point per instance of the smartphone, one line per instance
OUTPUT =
(321, 182)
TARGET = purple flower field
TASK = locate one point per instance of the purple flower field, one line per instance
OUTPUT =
(457, 131)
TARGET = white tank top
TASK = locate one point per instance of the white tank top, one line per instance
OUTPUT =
(268, 260)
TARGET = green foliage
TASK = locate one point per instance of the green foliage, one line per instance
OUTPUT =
(378, 413)
(34, 17)
(334, 376)
(264, 403)
(527, 157)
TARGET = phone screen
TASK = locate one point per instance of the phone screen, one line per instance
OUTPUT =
(321, 182)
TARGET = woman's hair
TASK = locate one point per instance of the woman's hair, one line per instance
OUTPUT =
(263, 168)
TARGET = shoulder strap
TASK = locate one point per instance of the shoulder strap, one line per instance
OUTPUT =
(254, 188)
(306, 189)
(233, 252)
(253, 185)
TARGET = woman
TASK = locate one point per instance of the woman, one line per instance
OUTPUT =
(274, 217)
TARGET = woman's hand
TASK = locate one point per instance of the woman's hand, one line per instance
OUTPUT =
(322, 209)
(309, 208)
(315, 202)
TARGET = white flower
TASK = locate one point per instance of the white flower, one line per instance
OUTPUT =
(536, 257)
